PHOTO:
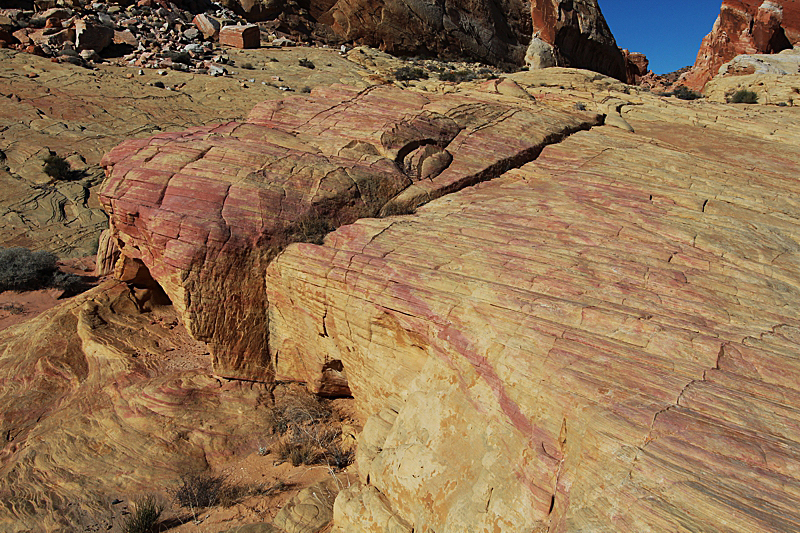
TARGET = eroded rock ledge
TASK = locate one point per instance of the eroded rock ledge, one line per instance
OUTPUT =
(604, 339)
(600, 338)
(206, 210)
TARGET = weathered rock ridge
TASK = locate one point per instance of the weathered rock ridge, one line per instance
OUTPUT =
(540, 33)
(206, 210)
(602, 339)
(578, 329)
(745, 27)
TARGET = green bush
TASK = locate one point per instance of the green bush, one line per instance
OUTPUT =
(144, 515)
(457, 75)
(57, 167)
(685, 93)
(410, 74)
(743, 96)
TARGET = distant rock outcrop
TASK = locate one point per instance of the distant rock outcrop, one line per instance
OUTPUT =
(540, 33)
(745, 27)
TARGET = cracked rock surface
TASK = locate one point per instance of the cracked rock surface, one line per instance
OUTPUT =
(602, 339)
(206, 210)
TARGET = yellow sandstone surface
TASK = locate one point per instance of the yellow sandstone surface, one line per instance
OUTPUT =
(585, 328)
(604, 339)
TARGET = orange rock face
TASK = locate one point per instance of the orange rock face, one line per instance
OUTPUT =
(745, 27)
(206, 210)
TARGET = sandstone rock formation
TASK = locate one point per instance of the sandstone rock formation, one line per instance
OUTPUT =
(603, 339)
(206, 210)
(548, 32)
(745, 27)
(100, 401)
(81, 114)
(581, 327)
(775, 78)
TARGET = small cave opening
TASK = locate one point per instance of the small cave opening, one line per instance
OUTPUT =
(332, 382)
(145, 290)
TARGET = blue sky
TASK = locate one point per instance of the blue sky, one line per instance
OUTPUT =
(668, 33)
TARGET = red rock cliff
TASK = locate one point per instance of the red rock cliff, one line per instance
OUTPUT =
(745, 27)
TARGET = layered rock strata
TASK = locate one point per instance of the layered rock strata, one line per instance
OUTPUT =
(206, 210)
(603, 339)
(106, 397)
(541, 33)
(774, 78)
(745, 27)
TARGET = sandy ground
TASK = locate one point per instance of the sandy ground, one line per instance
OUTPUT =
(271, 481)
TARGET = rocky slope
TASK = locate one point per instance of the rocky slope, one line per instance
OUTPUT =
(507, 33)
(601, 337)
(105, 397)
(79, 114)
(206, 210)
(541, 33)
(745, 27)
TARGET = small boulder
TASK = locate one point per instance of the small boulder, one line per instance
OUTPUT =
(92, 35)
(208, 26)
(125, 37)
(248, 36)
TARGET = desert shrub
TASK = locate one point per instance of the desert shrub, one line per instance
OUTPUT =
(68, 282)
(144, 515)
(743, 96)
(248, 66)
(312, 228)
(338, 456)
(295, 410)
(307, 63)
(13, 308)
(57, 167)
(24, 270)
(685, 93)
(305, 90)
(580, 106)
(197, 491)
(410, 74)
(457, 75)
(299, 450)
